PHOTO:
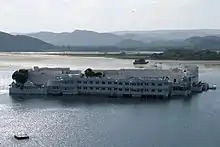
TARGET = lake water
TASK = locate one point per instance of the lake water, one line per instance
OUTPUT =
(86, 122)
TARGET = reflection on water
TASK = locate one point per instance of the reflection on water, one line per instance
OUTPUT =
(212, 65)
(80, 99)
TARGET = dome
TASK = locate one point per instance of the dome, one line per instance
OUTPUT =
(29, 83)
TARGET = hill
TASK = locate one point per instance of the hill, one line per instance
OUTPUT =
(148, 39)
(22, 43)
(129, 43)
(78, 38)
(199, 43)
(147, 36)
(207, 42)
(81, 40)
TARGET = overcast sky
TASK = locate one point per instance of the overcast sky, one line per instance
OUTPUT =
(107, 15)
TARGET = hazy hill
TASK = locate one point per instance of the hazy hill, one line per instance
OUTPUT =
(207, 42)
(199, 43)
(78, 38)
(166, 35)
(129, 43)
(92, 41)
(91, 38)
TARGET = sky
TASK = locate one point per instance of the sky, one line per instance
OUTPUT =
(25, 16)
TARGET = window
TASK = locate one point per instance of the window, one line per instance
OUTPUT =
(103, 88)
(85, 82)
(91, 88)
(159, 84)
(54, 87)
(103, 82)
(79, 82)
(85, 88)
(126, 89)
(91, 82)
(109, 88)
(109, 82)
(97, 82)
(159, 90)
(142, 90)
(153, 90)
(138, 90)
(115, 82)
(146, 90)
(79, 87)
(97, 88)
(133, 84)
(66, 88)
(153, 84)
(175, 88)
(138, 84)
(120, 89)
(120, 83)
(142, 84)
(115, 88)
(126, 83)
(146, 83)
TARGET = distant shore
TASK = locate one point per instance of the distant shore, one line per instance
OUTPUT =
(106, 55)
(116, 55)
(133, 56)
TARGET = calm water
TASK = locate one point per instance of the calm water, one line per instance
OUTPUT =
(85, 122)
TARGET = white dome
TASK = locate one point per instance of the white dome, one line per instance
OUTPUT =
(29, 83)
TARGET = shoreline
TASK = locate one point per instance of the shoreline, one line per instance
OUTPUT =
(131, 56)
(108, 55)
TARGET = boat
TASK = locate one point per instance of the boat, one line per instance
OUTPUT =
(140, 61)
(21, 136)
(147, 82)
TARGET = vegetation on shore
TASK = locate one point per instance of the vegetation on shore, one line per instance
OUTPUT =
(185, 54)
(170, 54)
(20, 76)
(107, 55)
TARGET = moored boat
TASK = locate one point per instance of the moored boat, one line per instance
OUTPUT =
(21, 136)
(140, 61)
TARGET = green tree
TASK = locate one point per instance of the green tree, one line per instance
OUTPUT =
(98, 74)
(20, 76)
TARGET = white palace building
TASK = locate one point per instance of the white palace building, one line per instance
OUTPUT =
(150, 82)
